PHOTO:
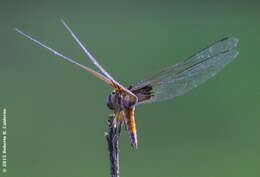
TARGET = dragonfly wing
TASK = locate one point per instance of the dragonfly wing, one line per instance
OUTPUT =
(178, 79)
(100, 76)
(116, 84)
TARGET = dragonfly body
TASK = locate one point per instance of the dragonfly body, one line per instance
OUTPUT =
(123, 106)
(168, 83)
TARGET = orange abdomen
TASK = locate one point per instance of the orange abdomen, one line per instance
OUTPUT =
(130, 126)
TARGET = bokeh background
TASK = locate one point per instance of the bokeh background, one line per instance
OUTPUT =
(56, 112)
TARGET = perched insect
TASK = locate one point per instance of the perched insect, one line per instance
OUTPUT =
(170, 82)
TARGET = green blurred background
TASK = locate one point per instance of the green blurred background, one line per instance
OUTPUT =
(56, 112)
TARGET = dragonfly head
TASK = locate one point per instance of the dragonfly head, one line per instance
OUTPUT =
(117, 101)
(114, 101)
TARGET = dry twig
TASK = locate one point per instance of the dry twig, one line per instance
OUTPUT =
(112, 137)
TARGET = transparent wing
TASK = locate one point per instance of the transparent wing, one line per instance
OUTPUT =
(116, 84)
(178, 79)
(100, 76)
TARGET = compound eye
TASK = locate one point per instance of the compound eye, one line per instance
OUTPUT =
(109, 101)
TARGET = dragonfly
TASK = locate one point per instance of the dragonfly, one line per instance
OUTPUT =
(166, 84)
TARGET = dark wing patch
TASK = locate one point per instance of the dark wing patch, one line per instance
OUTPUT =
(143, 94)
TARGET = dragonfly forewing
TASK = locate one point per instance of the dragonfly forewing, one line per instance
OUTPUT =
(182, 77)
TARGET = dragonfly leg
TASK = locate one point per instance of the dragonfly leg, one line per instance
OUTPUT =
(114, 118)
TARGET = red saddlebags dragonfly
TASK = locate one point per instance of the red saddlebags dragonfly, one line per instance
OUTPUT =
(168, 83)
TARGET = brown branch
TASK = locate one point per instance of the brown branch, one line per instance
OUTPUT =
(112, 137)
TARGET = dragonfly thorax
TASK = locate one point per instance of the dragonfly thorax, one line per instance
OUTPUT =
(117, 101)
